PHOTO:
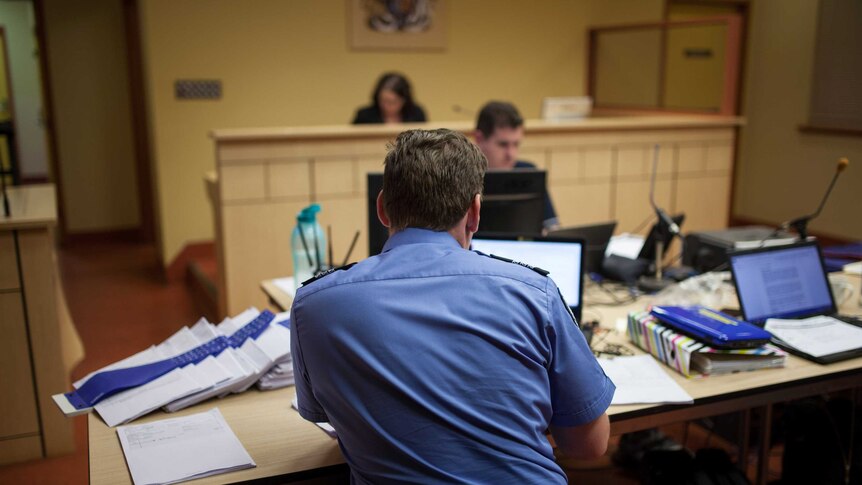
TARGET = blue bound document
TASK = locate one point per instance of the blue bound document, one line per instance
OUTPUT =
(717, 329)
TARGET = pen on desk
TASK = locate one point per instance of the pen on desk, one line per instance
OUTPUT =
(304, 244)
(329, 243)
(316, 250)
(350, 250)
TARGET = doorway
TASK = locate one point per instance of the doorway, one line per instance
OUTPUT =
(24, 151)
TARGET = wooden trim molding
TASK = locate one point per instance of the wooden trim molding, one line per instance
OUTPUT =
(830, 130)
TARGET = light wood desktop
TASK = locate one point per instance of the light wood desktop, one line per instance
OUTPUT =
(40, 344)
(281, 443)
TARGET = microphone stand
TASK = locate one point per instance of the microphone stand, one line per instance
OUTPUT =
(665, 226)
(800, 224)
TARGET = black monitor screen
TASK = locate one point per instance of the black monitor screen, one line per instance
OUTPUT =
(513, 203)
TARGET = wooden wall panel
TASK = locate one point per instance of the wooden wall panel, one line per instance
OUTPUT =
(17, 399)
(8, 263)
(594, 175)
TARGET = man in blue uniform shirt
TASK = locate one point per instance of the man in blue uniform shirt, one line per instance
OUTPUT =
(499, 132)
(437, 364)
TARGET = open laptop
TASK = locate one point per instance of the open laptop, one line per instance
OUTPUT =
(596, 237)
(563, 258)
(787, 282)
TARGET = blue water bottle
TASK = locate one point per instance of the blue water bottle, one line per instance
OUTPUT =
(307, 244)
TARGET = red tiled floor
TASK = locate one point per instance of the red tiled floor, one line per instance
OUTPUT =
(120, 305)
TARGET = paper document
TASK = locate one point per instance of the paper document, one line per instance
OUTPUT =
(286, 285)
(853, 268)
(625, 245)
(816, 336)
(179, 449)
(640, 380)
(326, 427)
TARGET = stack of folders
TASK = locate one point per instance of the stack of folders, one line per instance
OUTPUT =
(256, 345)
(692, 358)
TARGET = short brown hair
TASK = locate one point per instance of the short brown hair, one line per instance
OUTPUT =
(430, 179)
(498, 114)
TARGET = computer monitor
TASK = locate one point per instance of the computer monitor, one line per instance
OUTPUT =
(513, 203)
(596, 237)
(648, 249)
(563, 258)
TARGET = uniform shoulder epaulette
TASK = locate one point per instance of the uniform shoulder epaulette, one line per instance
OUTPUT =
(534, 268)
(327, 273)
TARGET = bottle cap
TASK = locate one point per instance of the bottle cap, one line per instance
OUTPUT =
(309, 214)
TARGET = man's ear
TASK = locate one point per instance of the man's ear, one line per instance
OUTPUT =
(478, 136)
(473, 214)
(381, 211)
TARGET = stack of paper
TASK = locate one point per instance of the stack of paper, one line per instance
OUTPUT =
(178, 383)
(227, 358)
(179, 449)
(250, 360)
(281, 373)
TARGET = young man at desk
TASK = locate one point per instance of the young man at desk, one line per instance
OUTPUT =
(499, 132)
(438, 364)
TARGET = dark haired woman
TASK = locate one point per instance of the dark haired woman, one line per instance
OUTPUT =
(392, 102)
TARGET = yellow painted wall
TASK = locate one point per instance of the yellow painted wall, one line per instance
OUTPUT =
(287, 63)
(782, 173)
(87, 62)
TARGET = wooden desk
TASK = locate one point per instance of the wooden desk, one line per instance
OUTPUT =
(40, 345)
(276, 437)
(282, 443)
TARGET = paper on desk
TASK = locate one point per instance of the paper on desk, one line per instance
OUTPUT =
(286, 285)
(625, 245)
(326, 427)
(816, 336)
(641, 380)
(853, 268)
(179, 449)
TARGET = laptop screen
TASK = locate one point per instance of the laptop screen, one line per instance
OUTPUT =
(562, 259)
(781, 282)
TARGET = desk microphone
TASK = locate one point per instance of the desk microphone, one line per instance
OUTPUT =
(800, 224)
(663, 216)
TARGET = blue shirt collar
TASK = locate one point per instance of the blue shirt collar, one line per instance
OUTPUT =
(413, 235)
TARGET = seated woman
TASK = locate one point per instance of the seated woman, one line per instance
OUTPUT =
(391, 103)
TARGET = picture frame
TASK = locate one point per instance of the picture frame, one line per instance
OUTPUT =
(397, 24)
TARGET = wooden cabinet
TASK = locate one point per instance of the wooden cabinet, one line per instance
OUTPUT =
(40, 345)
(598, 170)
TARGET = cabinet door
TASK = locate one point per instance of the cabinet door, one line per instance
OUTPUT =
(17, 401)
